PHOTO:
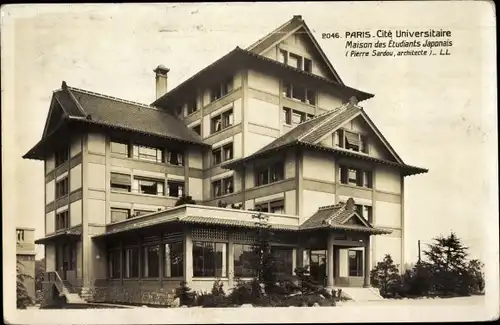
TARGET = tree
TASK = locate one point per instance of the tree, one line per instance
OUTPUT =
(417, 281)
(475, 270)
(39, 270)
(23, 298)
(185, 200)
(448, 265)
(264, 259)
(385, 276)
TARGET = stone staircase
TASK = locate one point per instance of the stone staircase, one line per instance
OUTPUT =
(361, 294)
(65, 289)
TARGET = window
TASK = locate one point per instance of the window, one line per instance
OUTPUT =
(283, 56)
(62, 220)
(175, 188)
(120, 182)
(131, 262)
(61, 156)
(221, 154)
(216, 156)
(297, 117)
(149, 186)
(119, 148)
(174, 260)
(244, 261)
(355, 263)
(293, 117)
(209, 259)
(355, 176)
(283, 260)
(295, 61)
(221, 90)
(138, 213)
(151, 261)
(351, 141)
(192, 106)
(367, 213)
(147, 153)
(272, 207)
(307, 65)
(271, 174)
(175, 158)
(309, 117)
(222, 121)
(197, 129)
(299, 93)
(222, 186)
(62, 188)
(20, 235)
(119, 214)
(114, 264)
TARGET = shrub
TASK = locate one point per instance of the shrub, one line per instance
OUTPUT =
(416, 281)
(217, 288)
(245, 292)
(185, 295)
(385, 276)
(209, 300)
(184, 200)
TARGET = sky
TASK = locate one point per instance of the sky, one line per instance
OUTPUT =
(437, 112)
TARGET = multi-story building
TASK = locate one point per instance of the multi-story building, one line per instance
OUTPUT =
(271, 128)
(25, 258)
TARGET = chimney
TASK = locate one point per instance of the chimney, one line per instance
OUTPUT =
(161, 80)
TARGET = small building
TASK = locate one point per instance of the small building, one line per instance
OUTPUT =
(25, 257)
(271, 129)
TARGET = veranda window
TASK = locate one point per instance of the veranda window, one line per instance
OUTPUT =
(209, 259)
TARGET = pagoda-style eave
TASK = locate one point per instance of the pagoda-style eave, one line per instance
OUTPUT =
(407, 170)
(72, 125)
(242, 59)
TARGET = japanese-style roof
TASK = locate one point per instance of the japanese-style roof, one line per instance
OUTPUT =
(71, 232)
(239, 58)
(337, 217)
(189, 219)
(309, 133)
(82, 106)
(293, 25)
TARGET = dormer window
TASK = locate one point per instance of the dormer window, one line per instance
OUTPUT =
(351, 141)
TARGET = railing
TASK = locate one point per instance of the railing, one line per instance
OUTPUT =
(54, 278)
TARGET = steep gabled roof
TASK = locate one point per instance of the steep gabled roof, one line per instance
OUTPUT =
(310, 133)
(83, 106)
(288, 28)
(338, 217)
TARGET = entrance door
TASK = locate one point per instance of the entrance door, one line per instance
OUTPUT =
(317, 265)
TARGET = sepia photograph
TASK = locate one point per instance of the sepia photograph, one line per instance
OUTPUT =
(308, 162)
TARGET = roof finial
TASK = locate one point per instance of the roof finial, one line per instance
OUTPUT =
(298, 17)
(349, 205)
(353, 100)
(64, 85)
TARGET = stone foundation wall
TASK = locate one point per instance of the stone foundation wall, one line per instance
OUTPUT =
(132, 292)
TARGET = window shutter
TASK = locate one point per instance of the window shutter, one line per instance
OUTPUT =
(121, 179)
(352, 138)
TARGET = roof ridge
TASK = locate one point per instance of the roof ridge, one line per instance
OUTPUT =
(254, 44)
(112, 97)
(333, 113)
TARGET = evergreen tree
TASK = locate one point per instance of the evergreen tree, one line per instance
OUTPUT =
(385, 276)
(265, 263)
(23, 298)
(448, 265)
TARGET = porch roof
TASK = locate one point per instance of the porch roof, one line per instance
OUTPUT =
(338, 217)
(72, 232)
(205, 215)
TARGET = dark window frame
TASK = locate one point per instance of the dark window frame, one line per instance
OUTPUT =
(219, 153)
(176, 184)
(62, 187)
(145, 179)
(120, 210)
(357, 259)
(61, 156)
(309, 97)
(117, 152)
(271, 173)
(197, 129)
(62, 220)
(159, 153)
(177, 265)
(131, 263)
(226, 186)
(211, 271)
(244, 265)
(147, 270)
